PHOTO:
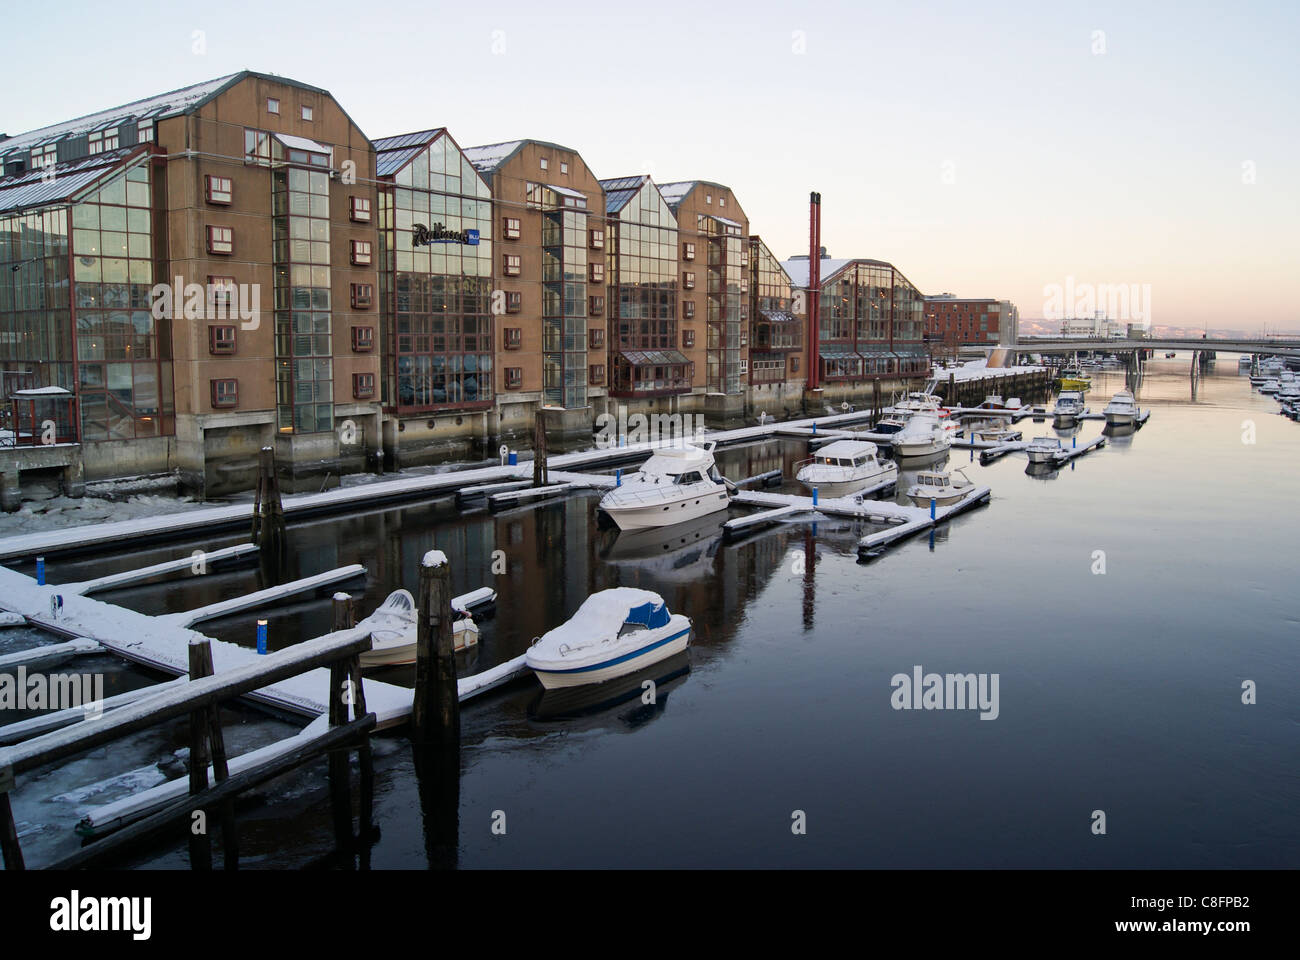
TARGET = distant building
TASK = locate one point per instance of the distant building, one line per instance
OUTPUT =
(971, 320)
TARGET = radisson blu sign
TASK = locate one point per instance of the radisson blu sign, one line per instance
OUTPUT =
(422, 236)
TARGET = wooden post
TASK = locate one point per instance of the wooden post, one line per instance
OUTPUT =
(13, 853)
(340, 779)
(539, 449)
(201, 661)
(435, 712)
(345, 618)
(200, 653)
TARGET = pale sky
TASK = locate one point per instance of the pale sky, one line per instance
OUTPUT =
(985, 149)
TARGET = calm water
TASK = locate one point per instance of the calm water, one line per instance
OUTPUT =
(1118, 692)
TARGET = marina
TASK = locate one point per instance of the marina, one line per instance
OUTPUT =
(865, 522)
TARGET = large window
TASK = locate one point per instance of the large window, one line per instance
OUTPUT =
(435, 298)
(304, 375)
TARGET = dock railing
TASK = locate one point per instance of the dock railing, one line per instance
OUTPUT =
(200, 699)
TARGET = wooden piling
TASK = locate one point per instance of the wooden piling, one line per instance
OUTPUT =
(539, 449)
(435, 711)
(345, 618)
(201, 660)
(13, 853)
(339, 776)
(200, 653)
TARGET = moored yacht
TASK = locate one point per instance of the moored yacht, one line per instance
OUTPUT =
(614, 632)
(1122, 411)
(844, 467)
(1044, 449)
(1068, 405)
(1074, 379)
(394, 629)
(923, 436)
(676, 484)
(941, 486)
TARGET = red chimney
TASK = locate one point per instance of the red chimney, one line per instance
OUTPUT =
(814, 287)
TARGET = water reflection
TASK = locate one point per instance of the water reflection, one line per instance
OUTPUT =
(620, 705)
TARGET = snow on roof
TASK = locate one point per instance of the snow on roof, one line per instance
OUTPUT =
(797, 268)
(673, 193)
(488, 157)
(302, 143)
(42, 392)
(163, 105)
(28, 190)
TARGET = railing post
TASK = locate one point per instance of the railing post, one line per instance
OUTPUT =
(9, 847)
(200, 654)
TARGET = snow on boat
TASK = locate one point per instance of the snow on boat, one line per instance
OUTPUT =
(844, 467)
(614, 632)
(1122, 410)
(939, 486)
(1044, 449)
(675, 485)
(394, 626)
(923, 436)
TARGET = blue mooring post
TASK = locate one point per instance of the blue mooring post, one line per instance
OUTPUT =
(514, 459)
(261, 637)
(40, 571)
(932, 504)
(618, 477)
(1074, 442)
(814, 428)
(814, 496)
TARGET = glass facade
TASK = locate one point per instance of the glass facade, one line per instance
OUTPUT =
(643, 265)
(304, 382)
(564, 296)
(776, 328)
(117, 357)
(435, 298)
(728, 262)
(871, 324)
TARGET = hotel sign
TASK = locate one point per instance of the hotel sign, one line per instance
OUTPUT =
(422, 236)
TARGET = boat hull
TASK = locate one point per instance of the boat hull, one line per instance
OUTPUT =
(1043, 456)
(646, 656)
(1120, 419)
(643, 516)
(1072, 383)
(921, 448)
(944, 501)
(843, 488)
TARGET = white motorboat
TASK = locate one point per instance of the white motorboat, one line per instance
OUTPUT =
(614, 632)
(394, 627)
(996, 435)
(924, 435)
(1044, 449)
(844, 467)
(1270, 385)
(1122, 411)
(1069, 405)
(940, 486)
(917, 402)
(1288, 390)
(675, 485)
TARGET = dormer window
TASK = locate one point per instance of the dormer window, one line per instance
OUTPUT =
(101, 140)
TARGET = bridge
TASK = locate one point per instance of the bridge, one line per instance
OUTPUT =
(1275, 347)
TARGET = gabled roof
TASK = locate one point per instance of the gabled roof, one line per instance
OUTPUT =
(29, 190)
(393, 153)
(154, 108)
(797, 268)
(675, 193)
(619, 190)
(488, 157)
(163, 105)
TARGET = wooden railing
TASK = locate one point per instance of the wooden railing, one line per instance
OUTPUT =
(200, 700)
